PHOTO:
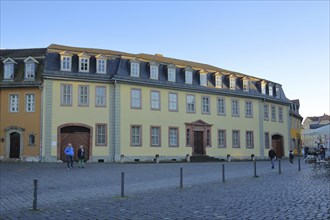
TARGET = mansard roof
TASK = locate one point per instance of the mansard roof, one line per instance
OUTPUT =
(22, 53)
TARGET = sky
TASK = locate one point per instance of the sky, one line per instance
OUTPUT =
(286, 42)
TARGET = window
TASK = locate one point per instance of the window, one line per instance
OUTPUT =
(173, 137)
(13, 103)
(83, 95)
(29, 102)
(32, 139)
(218, 81)
(100, 96)
(83, 64)
(280, 114)
(266, 140)
(205, 105)
(248, 109)
(221, 138)
(188, 137)
(263, 87)
(235, 107)
(188, 76)
(135, 69)
(66, 94)
(232, 83)
(249, 139)
(9, 71)
(266, 112)
(273, 113)
(270, 89)
(190, 107)
(278, 91)
(154, 71)
(203, 79)
(246, 85)
(29, 70)
(136, 98)
(66, 61)
(221, 106)
(171, 74)
(173, 102)
(101, 66)
(208, 138)
(101, 134)
(236, 139)
(155, 136)
(155, 100)
(136, 135)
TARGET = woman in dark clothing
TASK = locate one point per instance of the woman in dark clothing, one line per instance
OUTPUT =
(81, 156)
(272, 156)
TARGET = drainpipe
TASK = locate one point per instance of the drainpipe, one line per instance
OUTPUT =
(41, 115)
(114, 123)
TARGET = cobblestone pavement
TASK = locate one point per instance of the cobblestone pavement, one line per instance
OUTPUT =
(152, 191)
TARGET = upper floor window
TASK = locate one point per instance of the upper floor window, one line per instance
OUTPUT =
(66, 60)
(218, 81)
(273, 113)
(29, 102)
(171, 73)
(205, 104)
(188, 76)
(263, 87)
(270, 89)
(278, 91)
(84, 62)
(83, 95)
(203, 79)
(235, 107)
(221, 106)
(190, 103)
(267, 142)
(135, 68)
(155, 100)
(136, 98)
(248, 109)
(100, 96)
(9, 68)
(173, 102)
(246, 85)
(30, 67)
(66, 94)
(280, 114)
(232, 83)
(154, 71)
(13, 107)
(101, 64)
(266, 112)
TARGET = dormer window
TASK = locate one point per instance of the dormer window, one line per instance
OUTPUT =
(171, 73)
(188, 75)
(232, 82)
(203, 77)
(263, 87)
(101, 64)
(66, 60)
(270, 89)
(278, 91)
(30, 67)
(218, 80)
(246, 84)
(84, 62)
(135, 68)
(9, 68)
(154, 69)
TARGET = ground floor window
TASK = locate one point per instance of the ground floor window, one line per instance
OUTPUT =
(136, 131)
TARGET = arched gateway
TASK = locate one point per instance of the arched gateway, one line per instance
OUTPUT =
(76, 134)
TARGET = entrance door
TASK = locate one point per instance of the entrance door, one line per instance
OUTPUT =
(76, 136)
(15, 140)
(198, 142)
(277, 144)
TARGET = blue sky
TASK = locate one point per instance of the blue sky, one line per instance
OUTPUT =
(283, 41)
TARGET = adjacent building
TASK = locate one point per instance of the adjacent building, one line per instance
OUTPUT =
(296, 127)
(315, 139)
(136, 107)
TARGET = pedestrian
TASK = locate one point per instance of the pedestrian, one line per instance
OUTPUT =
(272, 156)
(69, 152)
(81, 156)
(291, 156)
(322, 153)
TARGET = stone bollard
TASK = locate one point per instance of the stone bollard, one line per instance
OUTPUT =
(122, 157)
(157, 158)
(228, 157)
(188, 158)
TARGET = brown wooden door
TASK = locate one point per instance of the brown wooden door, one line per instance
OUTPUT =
(198, 142)
(76, 139)
(277, 146)
(15, 139)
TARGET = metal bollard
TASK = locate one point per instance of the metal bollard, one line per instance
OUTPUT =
(255, 168)
(299, 168)
(279, 167)
(223, 173)
(181, 177)
(122, 184)
(35, 192)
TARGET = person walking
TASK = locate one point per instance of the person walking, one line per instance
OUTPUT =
(69, 152)
(81, 156)
(291, 156)
(272, 156)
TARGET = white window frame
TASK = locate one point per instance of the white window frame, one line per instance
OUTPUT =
(273, 112)
(155, 100)
(206, 108)
(136, 98)
(266, 112)
(66, 94)
(83, 95)
(101, 66)
(188, 77)
(9, 71)
(155, 136)
(173, 136)
(190, 103)
(246, 85)
(101, 134)
(232, 83)
(172, 102)
(83, 64)
(263, 88)
(236, 139)
(100, 96)
(171, 74)
(154, 71)
(235, 108)
(270, 89)
(203, 79)
(222, 138)
(13, 102)
(221, 106)
(278, 91)
(66, 61)
(136, 135)
(30, 102)
(135, 69)
(218, 81)
(248, 109)
(267, 140)
(30, 69)
(280, 114)
(249, 138)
